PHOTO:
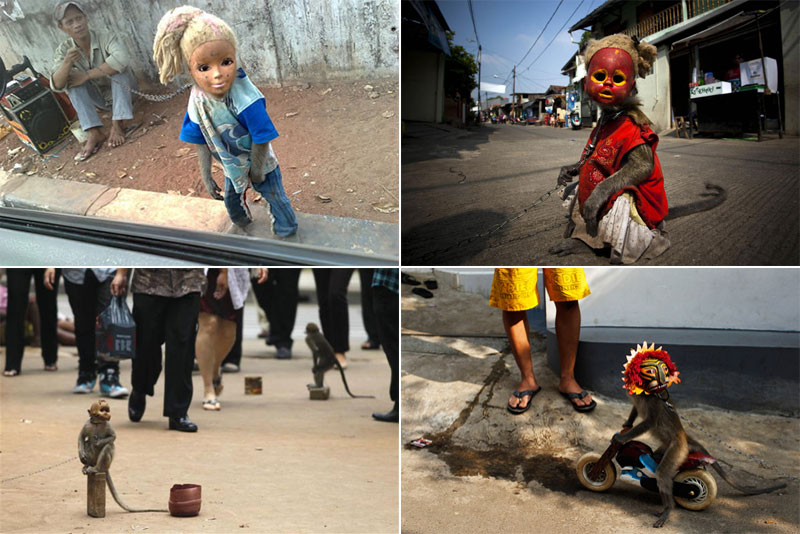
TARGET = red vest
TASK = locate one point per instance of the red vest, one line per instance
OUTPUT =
(615, 140)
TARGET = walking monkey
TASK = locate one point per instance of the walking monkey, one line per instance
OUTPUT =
(96, 448)
(647, 375)
(324, 359)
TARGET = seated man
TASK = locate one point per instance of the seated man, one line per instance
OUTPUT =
(84, 67)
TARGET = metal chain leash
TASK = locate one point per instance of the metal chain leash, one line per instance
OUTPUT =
(39, 471)
(759, 461)
(494, 229)
(153, 98)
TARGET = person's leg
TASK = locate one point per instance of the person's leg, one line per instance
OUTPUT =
(367, 310)
(236, 205)
(82, 300)
(215, 337)
(568, 330)
(284, 221)
(516, 327)
(122, 106)
(387, 321)
(322, 278)
(234, 355)
(47, 301)
(150, 314)
(179, 331)
(108, 372)
(339, 337)
(278, 297)
(19, 281)
(86, 99)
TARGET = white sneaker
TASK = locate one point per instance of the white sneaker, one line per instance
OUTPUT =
(110, 386)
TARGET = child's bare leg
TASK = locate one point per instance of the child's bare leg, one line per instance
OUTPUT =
(516, 327)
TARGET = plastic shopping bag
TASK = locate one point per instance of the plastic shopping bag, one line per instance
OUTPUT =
(116, 332)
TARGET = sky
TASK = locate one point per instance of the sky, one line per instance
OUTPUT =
(508, 29)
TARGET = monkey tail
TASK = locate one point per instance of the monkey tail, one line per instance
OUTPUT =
(122, 504)
(696, 445)
(717, 195)
(347, 388)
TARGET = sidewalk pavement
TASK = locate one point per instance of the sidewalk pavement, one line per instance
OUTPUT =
(490, 471)
(191, 213)
(277, 462)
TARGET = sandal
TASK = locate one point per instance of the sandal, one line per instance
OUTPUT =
(516, 410)
(10, 372)
(217, 385)
(211, 404)
(581, 395)
(51, 368)
(370, 345)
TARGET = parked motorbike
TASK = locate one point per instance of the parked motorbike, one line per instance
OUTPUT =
(635, 462)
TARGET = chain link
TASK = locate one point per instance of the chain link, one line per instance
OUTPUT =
(759, 461)
(39, 471)
(153, 98)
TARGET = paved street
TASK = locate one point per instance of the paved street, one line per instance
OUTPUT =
(458, 184)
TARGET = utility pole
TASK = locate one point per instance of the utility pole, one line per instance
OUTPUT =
(480, 110)
(514, 95)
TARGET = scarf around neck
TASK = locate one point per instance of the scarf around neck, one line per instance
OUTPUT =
(229, 141)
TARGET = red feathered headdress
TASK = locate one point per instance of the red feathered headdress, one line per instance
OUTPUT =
(631, 370)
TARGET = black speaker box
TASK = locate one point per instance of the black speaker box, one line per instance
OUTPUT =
(39, 121)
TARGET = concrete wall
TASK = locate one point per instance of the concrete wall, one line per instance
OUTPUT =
(423, 86)
(654, 92)
(731, 299)
(280, 41)
(790, 33)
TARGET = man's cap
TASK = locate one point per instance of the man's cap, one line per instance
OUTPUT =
(61, 7)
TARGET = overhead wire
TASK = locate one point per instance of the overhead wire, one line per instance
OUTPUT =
(537, 38)
(553, 39)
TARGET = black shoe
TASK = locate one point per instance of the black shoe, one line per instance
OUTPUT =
(184, 424)
(136, 405)
(392, 416)
(283, 353)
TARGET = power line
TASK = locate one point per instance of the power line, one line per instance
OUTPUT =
(554, 37)
(474, 27)
(538, 37)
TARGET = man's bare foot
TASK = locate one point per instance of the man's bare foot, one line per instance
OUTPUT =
(117, 135)
(525, 385)
(92, 145)
(569, 385)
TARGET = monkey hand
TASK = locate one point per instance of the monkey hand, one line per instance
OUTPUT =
(568, 172)
(618, 438)
(592, 207)
(256, 175)
(211, 186)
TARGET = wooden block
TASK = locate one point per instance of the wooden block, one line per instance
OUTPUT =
(96, 494)
(322, 393)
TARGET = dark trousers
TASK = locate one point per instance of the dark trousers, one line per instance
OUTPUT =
(385, 306)
(235, 354)
(87, 300)
(278, 298)
(332, 298)
(367, 312)
(19, 283)
(172, 321)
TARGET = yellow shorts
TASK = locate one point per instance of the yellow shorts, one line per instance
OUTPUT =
(515, 289)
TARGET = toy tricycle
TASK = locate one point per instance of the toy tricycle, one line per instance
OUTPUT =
(634, 462)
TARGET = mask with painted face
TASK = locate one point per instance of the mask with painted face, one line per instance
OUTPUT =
(611, 77)
(649, 370)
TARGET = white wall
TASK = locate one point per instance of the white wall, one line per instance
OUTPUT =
(746, 299)
(279, 40)
(724, 298)
(654, 92)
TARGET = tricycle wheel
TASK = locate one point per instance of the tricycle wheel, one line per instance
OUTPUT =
(607, 476)
(707, 489)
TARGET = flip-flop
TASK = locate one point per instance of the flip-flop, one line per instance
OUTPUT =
(10, 372)
(519, 394)
(581, 395)
(211, 404)
(424, 293)
(80, 156)
(410, 280)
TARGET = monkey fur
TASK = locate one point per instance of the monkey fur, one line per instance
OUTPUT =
(661, 419)
(324, 359)
(258, 156)
(96, 448)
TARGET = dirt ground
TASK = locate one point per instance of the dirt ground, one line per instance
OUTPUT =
(277, 462)
(338, 150)
(489, 471)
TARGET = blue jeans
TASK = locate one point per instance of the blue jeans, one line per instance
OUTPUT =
(284, 222)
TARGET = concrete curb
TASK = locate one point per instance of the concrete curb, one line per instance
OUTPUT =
(208, 215)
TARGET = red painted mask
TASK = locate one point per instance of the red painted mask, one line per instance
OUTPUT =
(611, 76)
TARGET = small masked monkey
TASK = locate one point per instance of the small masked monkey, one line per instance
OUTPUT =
(324, 359)
(647, 375)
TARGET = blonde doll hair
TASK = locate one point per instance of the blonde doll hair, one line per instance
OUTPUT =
(180, 32)
(642, 54)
